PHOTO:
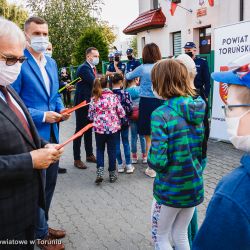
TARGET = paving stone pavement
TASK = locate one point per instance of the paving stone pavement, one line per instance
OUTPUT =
(117, 216)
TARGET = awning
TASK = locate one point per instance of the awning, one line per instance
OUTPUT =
(147, 20)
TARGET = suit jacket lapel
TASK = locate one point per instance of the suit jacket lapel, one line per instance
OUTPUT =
(8, 113)
(36, 69)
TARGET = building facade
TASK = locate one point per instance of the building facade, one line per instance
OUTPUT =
(193, 20)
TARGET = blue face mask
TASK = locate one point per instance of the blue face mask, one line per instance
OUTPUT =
(48, 53)
(39, 43)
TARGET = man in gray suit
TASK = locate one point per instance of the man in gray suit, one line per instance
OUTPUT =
(22, 153)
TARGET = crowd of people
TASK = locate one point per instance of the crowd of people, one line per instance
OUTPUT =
(164, 103)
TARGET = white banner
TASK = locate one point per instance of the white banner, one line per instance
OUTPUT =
(231, 42)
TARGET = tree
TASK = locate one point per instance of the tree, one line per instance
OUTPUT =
(91, 38)
(67, 21)
(12, 12)
(133, 45)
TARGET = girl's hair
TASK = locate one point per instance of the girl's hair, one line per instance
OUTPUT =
(99, 84)
(151, 53)
(170, 78)
(128, 83)
(117, 78)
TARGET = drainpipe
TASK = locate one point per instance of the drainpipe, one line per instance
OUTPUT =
(241, 10)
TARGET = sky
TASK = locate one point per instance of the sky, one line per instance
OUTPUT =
(117, 12)
(120, 12)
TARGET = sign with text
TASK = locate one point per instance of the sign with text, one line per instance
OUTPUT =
(230, 42)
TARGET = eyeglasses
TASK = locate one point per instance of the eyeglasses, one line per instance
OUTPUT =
(11, 60)
(228, 108)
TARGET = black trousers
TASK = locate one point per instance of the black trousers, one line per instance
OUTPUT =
(81, 122)
(22, 241)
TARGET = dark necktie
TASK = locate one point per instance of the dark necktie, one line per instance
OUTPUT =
(95, 72)
(16, 111)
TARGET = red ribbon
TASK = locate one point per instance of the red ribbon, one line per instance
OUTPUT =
(75, 136)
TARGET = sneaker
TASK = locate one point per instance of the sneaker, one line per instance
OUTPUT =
(130, 169)
(134, 158)
(144, 159)
(150, 172)
(99, 173)
(121, 168)
(112, 177)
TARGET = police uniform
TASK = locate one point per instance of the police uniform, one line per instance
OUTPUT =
(132, 64)
(202, 79)
(121, 66)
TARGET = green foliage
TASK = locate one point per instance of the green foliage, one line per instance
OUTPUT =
(13, 12)
(67, 21)
(133, 45)
(92, 37)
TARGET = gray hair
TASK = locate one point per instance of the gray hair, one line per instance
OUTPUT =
(11, 31)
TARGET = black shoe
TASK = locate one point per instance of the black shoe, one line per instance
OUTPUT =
(112, 177)
(62, 170)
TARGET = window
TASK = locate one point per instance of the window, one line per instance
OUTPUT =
(154, 4)
(143, 42)
(177, 43)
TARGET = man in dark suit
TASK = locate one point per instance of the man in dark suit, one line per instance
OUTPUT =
(87, 71)
(23, 154)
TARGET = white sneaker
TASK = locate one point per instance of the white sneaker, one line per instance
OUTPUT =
(121, 168)
(130, 169)
(144, 159)
(134, 158)
(150, 172)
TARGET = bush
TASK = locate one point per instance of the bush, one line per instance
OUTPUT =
(92, 37)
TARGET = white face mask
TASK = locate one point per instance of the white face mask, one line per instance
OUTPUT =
(95, 61)
(8, 74)
(240, 142)
(39, 43)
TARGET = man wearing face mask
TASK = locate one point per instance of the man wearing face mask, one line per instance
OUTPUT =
(38, 86)
(202, 79)
(49, 50)
(117, 66)
(87, 71)
(227, 222)
(23, 154)
(132, 62)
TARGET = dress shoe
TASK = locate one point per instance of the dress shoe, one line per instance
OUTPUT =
(79, 164)
(62, 170)
(91, 158)
(50, 244)
(56, 234)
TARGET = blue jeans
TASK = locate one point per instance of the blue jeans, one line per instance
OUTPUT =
(134, 137)
(101, 140)
(124, 134)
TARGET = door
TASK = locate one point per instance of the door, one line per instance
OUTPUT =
(205, 40)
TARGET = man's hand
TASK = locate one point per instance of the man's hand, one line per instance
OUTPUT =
(64, 116)
(43, 157)
(52, 117)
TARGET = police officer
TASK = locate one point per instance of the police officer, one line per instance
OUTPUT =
(132, 62)
(117, 66)
(202, 79)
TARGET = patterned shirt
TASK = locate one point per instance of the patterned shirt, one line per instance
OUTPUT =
(176, 152)
(106, 113)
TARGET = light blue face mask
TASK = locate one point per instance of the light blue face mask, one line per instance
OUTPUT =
(39, 43)
(48, 53)
(95, 61)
